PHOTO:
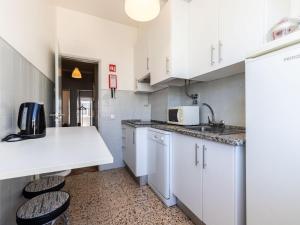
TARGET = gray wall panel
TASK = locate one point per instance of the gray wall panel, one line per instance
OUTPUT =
(20, 81)
(159, 104)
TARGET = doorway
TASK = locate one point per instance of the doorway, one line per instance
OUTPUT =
(79, 92)
(85, 108)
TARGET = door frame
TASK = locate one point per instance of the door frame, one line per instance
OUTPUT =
(89, 60)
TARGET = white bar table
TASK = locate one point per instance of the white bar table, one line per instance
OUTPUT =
(63, 148)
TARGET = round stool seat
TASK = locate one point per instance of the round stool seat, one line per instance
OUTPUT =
(43, 208)
(43, 185)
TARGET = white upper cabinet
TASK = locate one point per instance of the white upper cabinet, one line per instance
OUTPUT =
(206, 39)
(240, 30)
(168, 41)
(203, 36)
(222, 33)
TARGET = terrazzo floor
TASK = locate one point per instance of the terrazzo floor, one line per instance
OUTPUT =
(114, 198)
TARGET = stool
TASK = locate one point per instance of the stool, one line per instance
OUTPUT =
(44, 209)
(43, 185)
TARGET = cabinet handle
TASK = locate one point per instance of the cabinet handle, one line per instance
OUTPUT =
(220, 51)
(196, 155)
(147, 63)
(212, 53)
(167, 65)
(204, 149)
(133, 138)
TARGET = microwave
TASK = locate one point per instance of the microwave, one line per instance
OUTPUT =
(184, 115)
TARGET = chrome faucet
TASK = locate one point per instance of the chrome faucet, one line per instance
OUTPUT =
(213, 119)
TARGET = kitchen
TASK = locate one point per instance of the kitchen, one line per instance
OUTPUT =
(187, 122)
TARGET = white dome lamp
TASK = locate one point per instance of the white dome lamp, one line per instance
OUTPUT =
(142, 10)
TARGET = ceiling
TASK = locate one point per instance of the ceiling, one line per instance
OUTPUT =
(107, 9)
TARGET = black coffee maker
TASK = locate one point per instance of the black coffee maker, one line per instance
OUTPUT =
(31, 122)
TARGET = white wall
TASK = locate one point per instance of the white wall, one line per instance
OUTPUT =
(87, 36)
(29, 27)
(20, 81)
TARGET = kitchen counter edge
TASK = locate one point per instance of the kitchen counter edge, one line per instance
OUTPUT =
(231, 139)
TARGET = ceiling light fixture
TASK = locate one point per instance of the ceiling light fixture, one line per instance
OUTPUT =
(142, 10)
(76, 73)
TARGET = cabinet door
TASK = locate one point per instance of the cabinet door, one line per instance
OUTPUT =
(218, 184)
(241, 30)
(130, 149)
(159, 45)
(188, 172)
(178, 62)
(141, 54)
(204, 28)
(128, 144)
(141, 154)
(124, 142)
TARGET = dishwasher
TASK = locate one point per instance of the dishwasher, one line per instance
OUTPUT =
(160, 165)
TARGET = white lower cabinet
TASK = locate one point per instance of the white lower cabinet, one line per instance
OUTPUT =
(135, 149)
(187, 180)
(209, 180)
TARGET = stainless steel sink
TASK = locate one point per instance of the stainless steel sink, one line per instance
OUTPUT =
(217, 130)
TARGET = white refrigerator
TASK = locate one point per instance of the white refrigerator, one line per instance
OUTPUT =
(273, 138)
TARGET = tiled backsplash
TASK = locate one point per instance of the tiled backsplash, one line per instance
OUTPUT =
(226, 96)
(159, 104)
(164, 99)
(20, 81)
(127, 105)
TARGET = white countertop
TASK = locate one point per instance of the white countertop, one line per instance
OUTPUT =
(61, 149)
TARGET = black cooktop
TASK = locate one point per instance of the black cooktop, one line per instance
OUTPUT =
(144, 123)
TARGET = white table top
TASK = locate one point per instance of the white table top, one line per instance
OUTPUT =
(62, 149)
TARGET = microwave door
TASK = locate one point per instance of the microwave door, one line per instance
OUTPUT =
(173, 115)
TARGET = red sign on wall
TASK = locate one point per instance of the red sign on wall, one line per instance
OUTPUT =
(112, 68)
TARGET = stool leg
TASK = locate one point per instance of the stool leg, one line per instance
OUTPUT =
(66, 219)
(51, 223)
